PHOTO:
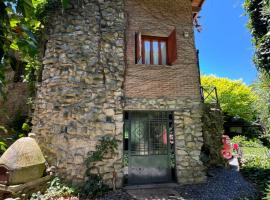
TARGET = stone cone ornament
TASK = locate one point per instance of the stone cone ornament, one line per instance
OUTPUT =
(22, 162)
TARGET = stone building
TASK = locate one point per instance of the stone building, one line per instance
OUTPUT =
(128, 69)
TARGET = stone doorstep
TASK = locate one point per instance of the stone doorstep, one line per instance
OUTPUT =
(152, 186)
(153, 192)
(13, 189)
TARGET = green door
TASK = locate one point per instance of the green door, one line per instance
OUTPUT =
(149, 148)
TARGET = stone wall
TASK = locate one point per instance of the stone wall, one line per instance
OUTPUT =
(188, 133)
(79, 100)
(212, 133)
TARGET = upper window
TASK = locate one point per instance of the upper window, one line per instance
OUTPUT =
(152, 50)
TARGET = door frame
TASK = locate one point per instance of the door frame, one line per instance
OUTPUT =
(171, 160)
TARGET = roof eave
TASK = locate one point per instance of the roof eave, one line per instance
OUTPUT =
(196, 7)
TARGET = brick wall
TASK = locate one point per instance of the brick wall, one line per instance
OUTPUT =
(159, 18)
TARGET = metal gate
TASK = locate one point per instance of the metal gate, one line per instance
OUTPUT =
(149, 147)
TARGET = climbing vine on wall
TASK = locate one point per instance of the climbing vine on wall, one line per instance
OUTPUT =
(94, 186)
(107, 145)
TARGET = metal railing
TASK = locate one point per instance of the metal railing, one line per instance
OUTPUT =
(209, 95)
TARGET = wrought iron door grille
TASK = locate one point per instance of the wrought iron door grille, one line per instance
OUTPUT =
(149, 147)
(149, 133)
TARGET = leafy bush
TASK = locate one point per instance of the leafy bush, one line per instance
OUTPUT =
(3, 147)
(242, 141)
(3, 144)
(235, 97)
(93, 187)
(56, 189)
(19, 126)
(267, 197)
(257, 169)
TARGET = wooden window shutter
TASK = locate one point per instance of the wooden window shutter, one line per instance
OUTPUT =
(138, 41)
(172, 48)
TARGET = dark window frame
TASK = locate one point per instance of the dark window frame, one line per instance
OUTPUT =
(151, 39)
(171, 48)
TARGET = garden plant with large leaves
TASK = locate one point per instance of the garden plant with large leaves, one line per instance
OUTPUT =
(22, 35)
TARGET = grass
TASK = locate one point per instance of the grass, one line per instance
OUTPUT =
(250, 152)
(256, 168)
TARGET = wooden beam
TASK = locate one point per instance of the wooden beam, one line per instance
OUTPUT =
(197, 3)
(196, 9)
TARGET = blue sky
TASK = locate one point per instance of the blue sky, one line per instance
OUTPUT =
(225, 42)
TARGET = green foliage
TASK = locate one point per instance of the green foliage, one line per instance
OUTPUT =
(235, 97)
(21, 36)
(26, 127)
(94, 186)
(19, 126)
(3, 144)
(243, 142)
(56, 190)
(3, 147)
(106, 145)
(262, 89)
(2, 128)
(256, 168)
(267, 197)
(259, 21)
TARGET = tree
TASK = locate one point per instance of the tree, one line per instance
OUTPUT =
(235, 97)
(262, 89)
(21, 30)
(259, 25)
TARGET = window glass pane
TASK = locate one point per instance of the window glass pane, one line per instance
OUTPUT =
(163, 53)
(146, 52)
(155, 52)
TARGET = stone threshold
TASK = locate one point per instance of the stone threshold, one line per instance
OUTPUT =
(151, 186)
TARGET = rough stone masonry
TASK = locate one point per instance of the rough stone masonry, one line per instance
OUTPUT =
(90, 79)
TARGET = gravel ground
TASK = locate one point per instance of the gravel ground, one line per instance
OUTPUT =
(222, 184)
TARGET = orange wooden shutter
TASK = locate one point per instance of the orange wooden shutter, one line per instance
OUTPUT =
(138, 40)
(172, 49)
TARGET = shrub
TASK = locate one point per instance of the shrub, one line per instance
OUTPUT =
(93, 187)
(56, 189)
(242, 141)
(257, 170)
(267, 197)
(20, 126)
(3, 144)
